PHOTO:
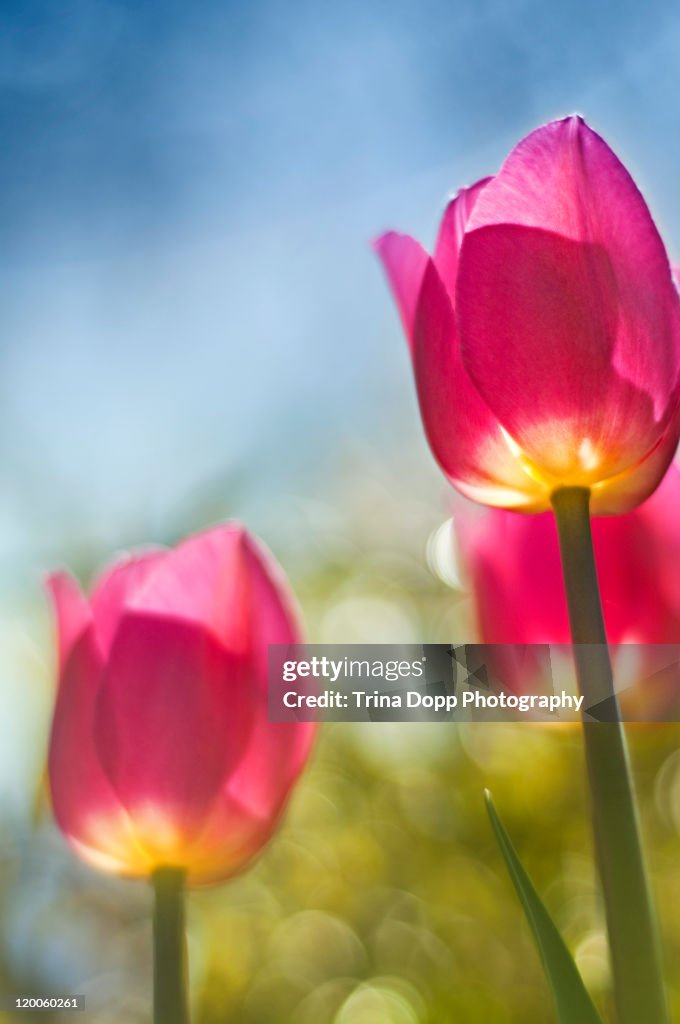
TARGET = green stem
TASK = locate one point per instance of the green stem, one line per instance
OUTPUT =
(169, 958)
(631, 923)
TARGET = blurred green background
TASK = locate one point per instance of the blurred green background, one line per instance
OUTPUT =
(193, 327)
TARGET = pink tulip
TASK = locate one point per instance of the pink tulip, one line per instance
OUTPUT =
(161, 753)
(545, 329)
(514, 566)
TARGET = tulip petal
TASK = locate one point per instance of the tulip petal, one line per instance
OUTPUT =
(451, 233)
(85, 805)
(636, 556)
(231, 839)
(550, 306)
(252, 799)
(404, 261)
(566, 307)
(623, 492)
(464, 435)
(515, 564)
(173, 717)
(72, 613)
(204, 581)
(116, 587)
(276, 750)
(248, 809)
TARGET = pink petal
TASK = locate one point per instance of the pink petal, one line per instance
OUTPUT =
(515, 566)
(634, 607)
(537, 344)
(567, 311)
(451, 233)
(72, 612)
(115, 587)
(249, 807)
(85, 805)
(623, 492)
(464, 435)
(230, 841)
(276, 750)
(204, 581)
(637, 555)
(174, 714)
(404, 261)
(253, 796)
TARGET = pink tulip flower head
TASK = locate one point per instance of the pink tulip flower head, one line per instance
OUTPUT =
(544, 329)
(161, 752)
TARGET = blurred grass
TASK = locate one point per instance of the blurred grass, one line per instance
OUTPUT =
(383, 897)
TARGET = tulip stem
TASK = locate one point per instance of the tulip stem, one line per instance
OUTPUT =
(169, 954)
(631, 923)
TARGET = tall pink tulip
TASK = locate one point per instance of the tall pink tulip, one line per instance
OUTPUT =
(545, 339)
(161, 752)
(544, 329)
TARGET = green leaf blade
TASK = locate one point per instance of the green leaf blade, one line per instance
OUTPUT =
(573, 1003)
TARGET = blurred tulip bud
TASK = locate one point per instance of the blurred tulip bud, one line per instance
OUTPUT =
(161, 752)
(513, 563)
(544, 329)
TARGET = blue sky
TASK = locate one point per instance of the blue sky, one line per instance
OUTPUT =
(187, 193)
